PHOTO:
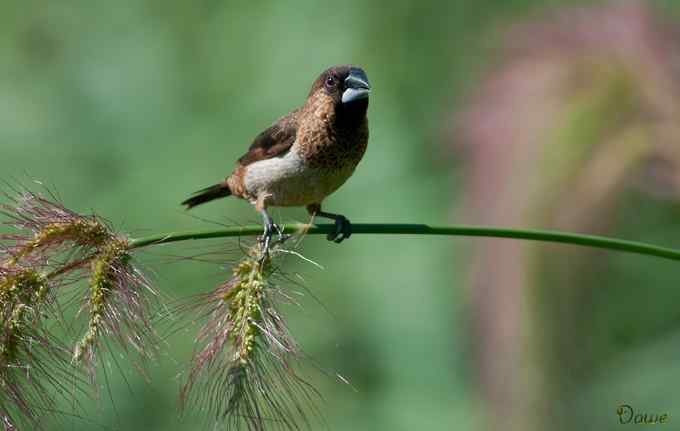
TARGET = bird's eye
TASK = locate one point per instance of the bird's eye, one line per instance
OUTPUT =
(330, 81)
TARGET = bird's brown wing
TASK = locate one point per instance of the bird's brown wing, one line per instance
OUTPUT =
(274, 141)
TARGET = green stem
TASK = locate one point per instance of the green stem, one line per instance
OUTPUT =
(422, 229)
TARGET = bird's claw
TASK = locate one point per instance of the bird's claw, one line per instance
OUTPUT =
(343, 230)
(266, 239)
(282, 236)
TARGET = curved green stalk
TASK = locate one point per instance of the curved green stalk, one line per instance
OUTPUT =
(422, 229)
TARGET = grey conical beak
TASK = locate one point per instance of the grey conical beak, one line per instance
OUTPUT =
(356, 86)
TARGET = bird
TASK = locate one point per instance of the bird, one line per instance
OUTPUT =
(305, 155)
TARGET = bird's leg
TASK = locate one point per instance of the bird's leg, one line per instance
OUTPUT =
(267, 234)
(269, 228)
(343, 227)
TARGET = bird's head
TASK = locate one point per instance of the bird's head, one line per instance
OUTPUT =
(347, 86)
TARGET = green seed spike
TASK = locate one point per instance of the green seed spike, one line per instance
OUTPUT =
(80, 231)
(102, 283)
(20, 292)
(244, 301)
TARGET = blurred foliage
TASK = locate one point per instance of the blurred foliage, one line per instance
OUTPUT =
(127, 107)
(578, 116)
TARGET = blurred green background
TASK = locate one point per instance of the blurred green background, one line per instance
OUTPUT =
(126, 107)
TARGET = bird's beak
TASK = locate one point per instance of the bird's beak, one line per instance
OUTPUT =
(356, 86)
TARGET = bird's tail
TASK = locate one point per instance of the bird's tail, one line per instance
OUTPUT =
(208, 194)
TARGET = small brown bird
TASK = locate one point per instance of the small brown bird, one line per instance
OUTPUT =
(306, 155)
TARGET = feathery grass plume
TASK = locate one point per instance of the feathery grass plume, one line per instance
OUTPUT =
(242, 371)
(71, 247)
(46, 228)
(117, 305)
(34, 365)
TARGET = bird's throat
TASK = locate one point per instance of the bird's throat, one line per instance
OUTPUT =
(350, 115)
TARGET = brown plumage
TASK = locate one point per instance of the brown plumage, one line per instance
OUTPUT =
(306, 155)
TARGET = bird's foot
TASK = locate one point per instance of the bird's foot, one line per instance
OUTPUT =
(343, 230)
(267, 237)
(266, 240)
(282, 236)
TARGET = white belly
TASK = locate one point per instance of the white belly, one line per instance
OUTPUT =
(287, 181)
